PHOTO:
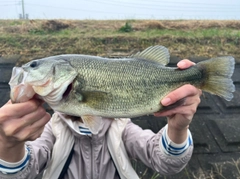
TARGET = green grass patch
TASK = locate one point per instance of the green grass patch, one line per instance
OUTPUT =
(37, 38)
(126, 28)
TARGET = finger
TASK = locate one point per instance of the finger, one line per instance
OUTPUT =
(18, 110)
(189, 107)
(36, 134)
(33, 131)
(37, 128)
(180, 93)
(183, 110)
(42, 122)
(9, 102)
(29, 135)
(13, 126)
(31, 118)
(183, 64)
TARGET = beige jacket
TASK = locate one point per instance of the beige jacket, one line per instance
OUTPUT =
(92, 159)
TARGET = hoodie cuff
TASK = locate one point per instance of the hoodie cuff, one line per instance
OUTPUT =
(12, 168)
(172, 149)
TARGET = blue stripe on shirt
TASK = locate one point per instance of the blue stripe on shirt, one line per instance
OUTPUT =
(172, 153)
(173, 150)
(12, 170)
(84, 130)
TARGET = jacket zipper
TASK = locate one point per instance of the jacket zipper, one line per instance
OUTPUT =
(92, 167)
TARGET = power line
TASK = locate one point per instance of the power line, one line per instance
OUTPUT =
(168, 8)
(144, 2)
(152, 2)
(7, 1)
(164, 7)
(77, 9)
(9, 4)
(167, 2)
(194, 3)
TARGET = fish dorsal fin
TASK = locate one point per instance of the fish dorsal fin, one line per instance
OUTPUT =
(158, 54)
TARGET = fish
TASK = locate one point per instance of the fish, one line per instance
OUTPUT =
(93, 87)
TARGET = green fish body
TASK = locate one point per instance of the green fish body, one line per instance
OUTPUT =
(82, 85)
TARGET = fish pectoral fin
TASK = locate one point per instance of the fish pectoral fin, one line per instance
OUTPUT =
(158, 54)
(79, 97)
(92, 98)
(94, 123)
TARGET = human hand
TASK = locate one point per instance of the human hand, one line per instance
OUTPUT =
(20, 122)
(180, 117)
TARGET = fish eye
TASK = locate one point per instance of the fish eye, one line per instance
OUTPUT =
(34, 64)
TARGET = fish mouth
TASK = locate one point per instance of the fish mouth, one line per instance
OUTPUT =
(20, 92)
(67, 91)
(58, 94)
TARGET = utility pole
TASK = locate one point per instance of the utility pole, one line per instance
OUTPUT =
(23, 12)
(23, 15)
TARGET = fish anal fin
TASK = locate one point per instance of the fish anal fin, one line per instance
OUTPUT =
(92, 122)
(158, 54)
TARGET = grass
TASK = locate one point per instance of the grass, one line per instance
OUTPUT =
(38, 38)
(217, 172)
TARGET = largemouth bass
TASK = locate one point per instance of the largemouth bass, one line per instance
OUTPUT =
(87, 86)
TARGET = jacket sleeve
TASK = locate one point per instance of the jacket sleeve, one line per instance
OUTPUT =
(40, 152)
(148, 147)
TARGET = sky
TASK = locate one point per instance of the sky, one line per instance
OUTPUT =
(121, 9)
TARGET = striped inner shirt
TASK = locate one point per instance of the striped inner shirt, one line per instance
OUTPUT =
(12, 168)
(84, 131)
(171, 148)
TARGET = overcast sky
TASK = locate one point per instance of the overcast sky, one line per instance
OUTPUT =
(121, 9)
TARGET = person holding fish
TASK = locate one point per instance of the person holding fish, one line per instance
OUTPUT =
(89, 134)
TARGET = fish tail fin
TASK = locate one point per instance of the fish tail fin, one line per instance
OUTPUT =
(217, 76)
